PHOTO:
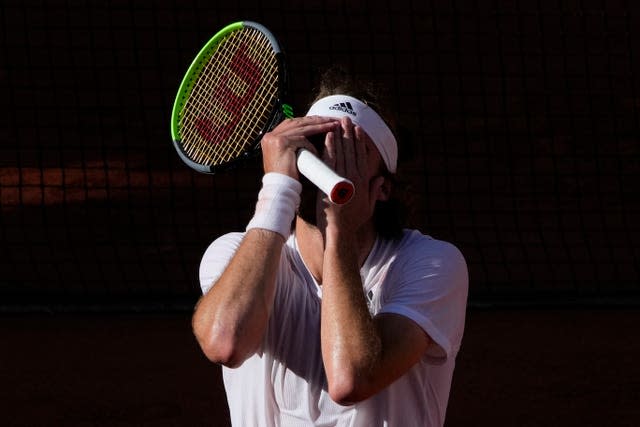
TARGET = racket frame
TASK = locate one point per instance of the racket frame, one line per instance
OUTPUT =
(280, 111)
(338, 189)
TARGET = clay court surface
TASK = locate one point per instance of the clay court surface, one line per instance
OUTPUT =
(560, 367)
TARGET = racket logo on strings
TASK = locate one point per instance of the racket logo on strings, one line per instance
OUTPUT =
(232, 94)
(244, 76)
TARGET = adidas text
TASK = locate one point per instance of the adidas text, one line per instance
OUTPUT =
(344, 107)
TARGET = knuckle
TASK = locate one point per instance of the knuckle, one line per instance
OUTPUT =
(267, 138)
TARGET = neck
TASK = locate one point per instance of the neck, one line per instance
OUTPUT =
(311, 244)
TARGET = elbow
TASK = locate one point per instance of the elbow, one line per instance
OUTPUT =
(219, 347)
(342, 394)
(345, 389)
(221, 352)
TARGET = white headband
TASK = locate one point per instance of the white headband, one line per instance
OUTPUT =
(364, 116)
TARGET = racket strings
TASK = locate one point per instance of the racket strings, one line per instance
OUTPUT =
(198, 128)
(231, 100)
(197, 138)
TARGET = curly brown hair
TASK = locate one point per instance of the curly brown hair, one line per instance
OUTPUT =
(391, 216)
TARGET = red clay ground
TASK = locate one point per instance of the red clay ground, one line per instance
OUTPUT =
(517, 368)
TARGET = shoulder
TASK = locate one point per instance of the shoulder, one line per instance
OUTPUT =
(415, 246)
(428, 283)
(229, 238)
(428, 267)
(225, 243)
(216, 257)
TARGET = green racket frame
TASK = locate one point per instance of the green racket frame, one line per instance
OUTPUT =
(280, 111)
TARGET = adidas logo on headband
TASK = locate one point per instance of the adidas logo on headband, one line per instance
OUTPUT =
(364, 116)
(345, 107)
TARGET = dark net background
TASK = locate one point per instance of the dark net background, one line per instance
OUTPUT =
(524, 119)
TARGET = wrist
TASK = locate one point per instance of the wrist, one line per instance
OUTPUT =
(341, 241)
(278, 201)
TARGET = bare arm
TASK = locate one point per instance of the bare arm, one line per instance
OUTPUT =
(230, 320)
(362, 355)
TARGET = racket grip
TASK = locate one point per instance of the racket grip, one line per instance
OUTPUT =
(339, 189)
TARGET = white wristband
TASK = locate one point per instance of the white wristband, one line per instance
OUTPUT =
(278, 201)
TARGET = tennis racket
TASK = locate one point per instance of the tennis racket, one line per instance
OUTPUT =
(232, 94)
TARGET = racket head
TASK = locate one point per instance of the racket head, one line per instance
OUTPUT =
(230, 96)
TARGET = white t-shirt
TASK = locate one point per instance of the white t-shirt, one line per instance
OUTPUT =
(284, 384)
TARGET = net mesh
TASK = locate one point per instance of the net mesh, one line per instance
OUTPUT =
(524, 119)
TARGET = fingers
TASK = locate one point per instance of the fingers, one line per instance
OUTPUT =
(361, 150)
(279, 146)
(347, 149)
(344, 146)
(329, 155)
(305, 126)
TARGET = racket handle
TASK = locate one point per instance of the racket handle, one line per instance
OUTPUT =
(339, 189)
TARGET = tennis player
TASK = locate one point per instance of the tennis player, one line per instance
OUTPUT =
(333, 315)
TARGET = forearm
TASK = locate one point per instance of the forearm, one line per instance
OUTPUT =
(230, 320)
(351, 345)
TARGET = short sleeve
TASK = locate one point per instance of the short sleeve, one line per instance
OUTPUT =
(430, 286)
(216, 258)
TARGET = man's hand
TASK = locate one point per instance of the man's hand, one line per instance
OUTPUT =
(350, 152)
(279, 146)
(361, 355)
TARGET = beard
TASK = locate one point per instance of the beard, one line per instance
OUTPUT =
(308, 209)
